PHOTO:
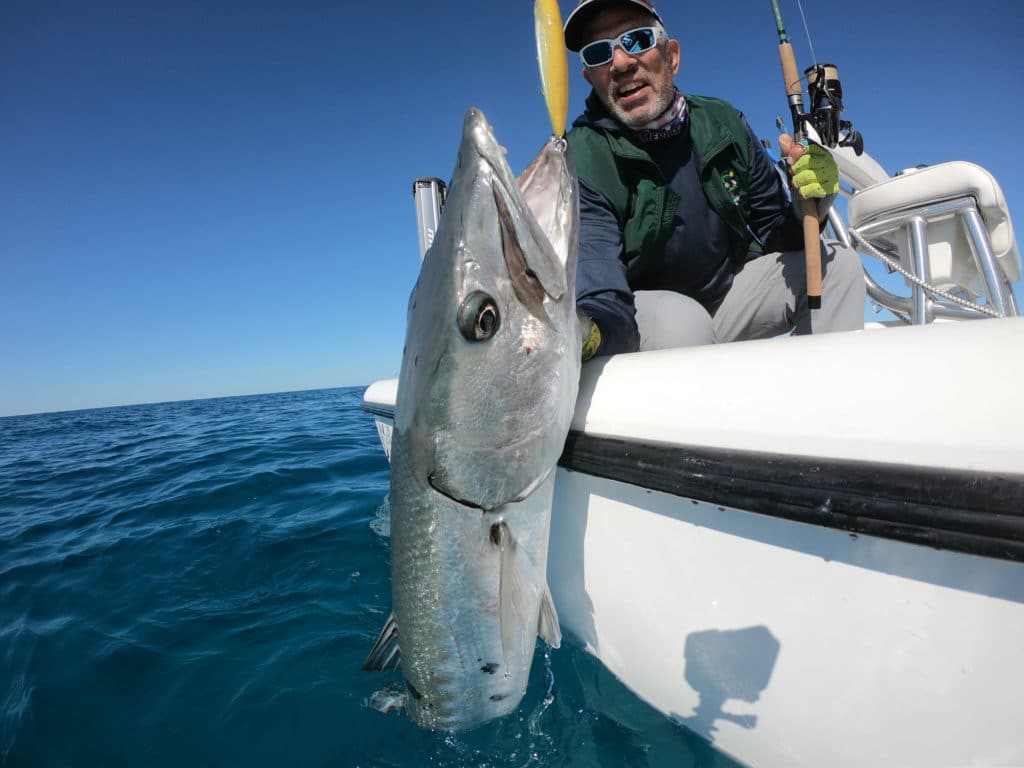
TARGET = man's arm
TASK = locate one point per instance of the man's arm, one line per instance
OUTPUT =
(602, 291)
(775, 217)
(772, 219)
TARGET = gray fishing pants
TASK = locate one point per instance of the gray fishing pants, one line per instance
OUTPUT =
(768, 297)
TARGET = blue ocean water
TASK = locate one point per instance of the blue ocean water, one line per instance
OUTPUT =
(197, 583)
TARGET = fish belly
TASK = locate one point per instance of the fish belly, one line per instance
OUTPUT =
(446, 588)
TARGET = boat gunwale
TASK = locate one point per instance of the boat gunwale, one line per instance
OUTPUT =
(970, 511)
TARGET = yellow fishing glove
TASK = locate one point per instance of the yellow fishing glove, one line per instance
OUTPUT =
(591, 338)
(815, 173)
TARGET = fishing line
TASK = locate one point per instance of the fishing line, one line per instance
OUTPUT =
(807, 30)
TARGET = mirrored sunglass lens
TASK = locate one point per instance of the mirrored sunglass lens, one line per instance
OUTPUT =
(597, 53)
(637, 41)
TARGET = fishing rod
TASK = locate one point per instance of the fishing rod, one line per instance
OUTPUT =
(821, 125)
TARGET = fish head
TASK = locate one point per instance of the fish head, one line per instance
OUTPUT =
(491, 363)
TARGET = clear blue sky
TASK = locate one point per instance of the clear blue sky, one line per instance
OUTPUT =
(202, 199)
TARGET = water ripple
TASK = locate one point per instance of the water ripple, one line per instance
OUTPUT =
(198, 583)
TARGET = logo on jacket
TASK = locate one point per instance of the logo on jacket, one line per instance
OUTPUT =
(732, 185)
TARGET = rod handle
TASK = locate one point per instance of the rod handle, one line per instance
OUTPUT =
(812, 253)
(790, 73)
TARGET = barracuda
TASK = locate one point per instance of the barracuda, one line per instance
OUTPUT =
(486, 392)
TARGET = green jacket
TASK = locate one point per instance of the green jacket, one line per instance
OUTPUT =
(644, 203)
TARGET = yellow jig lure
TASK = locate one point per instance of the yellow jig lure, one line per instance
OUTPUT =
(553, 62)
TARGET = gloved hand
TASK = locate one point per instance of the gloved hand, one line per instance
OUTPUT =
(814, 170)
(590, 335)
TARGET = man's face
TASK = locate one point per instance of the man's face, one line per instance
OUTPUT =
(635, 88)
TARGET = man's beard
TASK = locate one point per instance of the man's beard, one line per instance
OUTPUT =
(638, 118)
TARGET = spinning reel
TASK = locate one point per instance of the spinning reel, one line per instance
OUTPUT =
(826, 97)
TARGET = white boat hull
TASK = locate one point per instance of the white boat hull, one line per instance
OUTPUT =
(786, 644)
(835, 581)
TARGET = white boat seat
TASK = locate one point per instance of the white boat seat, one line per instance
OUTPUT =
(951, 227)
(922, 193)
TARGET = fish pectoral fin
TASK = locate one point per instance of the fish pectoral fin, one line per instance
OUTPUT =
(548, 626)
(513, 594)
(385, 654)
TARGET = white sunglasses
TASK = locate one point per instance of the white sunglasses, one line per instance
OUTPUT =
(634, 41)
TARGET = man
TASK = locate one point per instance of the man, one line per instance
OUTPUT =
(687, 231)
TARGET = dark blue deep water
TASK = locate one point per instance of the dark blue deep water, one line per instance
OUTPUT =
(197, 583)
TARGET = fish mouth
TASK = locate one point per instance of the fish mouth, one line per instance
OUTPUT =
(486, 146)
(535, 269)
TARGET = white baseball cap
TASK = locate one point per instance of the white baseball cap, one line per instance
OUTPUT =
(585, 11)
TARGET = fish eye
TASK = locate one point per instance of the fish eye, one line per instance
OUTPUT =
(478, 317)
